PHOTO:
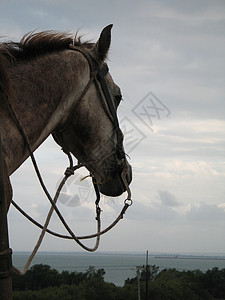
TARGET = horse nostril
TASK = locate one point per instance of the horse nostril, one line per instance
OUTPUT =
(129, 174)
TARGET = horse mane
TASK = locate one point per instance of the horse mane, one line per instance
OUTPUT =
(4, 82)
(32, 45)
(35, 44)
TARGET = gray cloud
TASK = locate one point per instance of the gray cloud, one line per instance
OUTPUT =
(174, 49)
(206, 213)
(163, 214)
(167, 198)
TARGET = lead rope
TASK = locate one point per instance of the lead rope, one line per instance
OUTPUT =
(68, 173)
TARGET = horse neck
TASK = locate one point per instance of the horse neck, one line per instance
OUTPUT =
(43, 92)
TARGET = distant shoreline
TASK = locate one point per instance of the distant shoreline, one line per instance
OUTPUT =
(200, 256)
(193, 257)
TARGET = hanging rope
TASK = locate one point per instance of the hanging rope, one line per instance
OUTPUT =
(44, 228)
(70, 171)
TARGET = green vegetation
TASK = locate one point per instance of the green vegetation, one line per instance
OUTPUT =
(43, 283)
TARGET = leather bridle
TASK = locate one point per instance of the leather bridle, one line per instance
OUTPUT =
(97, 76)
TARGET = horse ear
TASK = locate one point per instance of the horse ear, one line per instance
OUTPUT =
(103, 43)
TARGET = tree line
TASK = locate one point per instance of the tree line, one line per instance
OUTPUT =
(43, 283)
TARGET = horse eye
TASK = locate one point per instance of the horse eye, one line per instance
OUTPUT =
(118, 99)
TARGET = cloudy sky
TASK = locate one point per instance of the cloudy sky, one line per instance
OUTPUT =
(168, 58)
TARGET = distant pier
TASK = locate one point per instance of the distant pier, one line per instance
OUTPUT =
(191, 257)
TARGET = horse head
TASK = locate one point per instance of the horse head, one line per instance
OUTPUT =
(91, 132)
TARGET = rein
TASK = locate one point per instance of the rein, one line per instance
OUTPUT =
(97, 75)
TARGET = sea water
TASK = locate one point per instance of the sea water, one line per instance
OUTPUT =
(118, 266)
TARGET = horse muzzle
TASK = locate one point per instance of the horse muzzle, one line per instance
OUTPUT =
(116, 185)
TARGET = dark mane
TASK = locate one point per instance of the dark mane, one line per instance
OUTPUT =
(35, 44)
(4, 82)
(32, 45)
